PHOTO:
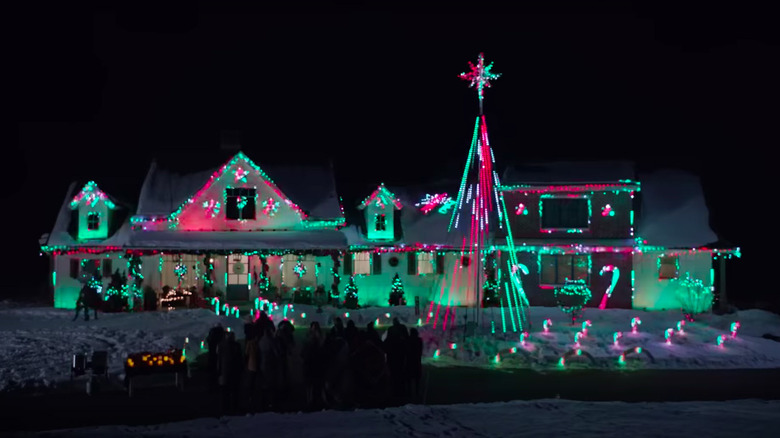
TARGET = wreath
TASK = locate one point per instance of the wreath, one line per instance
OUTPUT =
(238, 268)
(465, 261)
(393, 261)
(572, 297)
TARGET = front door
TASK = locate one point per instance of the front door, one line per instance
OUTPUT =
(238, 284)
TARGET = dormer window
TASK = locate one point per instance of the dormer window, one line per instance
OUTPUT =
(93, 221)
(380, 222)
(240, 203)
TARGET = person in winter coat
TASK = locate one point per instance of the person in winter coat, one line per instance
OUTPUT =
(414, 362)
(338, 328)
(229, 366)
(252, 355)
(372, 336)
(80, 304)
(313, 366)
(214, 338)
(351, 335)
(268, 366)
(395, 348)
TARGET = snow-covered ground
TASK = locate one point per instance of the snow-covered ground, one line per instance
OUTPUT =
(38, 343)
(542, 418)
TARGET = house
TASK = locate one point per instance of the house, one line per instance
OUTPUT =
(231, 228)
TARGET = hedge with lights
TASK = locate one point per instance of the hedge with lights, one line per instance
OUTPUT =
(172, 361)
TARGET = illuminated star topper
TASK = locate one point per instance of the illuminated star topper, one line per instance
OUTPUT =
(480, 75)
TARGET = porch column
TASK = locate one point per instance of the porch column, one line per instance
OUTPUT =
(723, 302)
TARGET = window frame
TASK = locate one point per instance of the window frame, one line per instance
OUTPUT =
(380, 222)
(553, 197)
(359, 263)
(558, 281)
(231, 202)
(421, 258)
(96, 222)
(660, 264)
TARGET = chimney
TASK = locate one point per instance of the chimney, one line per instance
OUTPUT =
(230, 140)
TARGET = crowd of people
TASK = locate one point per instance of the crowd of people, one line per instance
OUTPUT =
(342, 367)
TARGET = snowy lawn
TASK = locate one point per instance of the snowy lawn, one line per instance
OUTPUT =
(543, 418)
(38, 343)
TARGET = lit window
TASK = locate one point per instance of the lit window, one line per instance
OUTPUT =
(240, 203)
(380, 222)
(668, 267)
(556, 269)
(361, 263)
(425, 262)
(93, 221)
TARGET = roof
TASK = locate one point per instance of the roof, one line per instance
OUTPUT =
(674, 213)
(241, 241)
(59, 236)
(312, 188)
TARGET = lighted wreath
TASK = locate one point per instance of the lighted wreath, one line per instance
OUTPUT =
(572, 297)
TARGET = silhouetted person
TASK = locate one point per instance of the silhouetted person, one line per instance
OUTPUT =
(351, 335)
(338, 328)
(81, 304)
(252, 356)
(372, 336)
(414, 348)
(92, 297)
(214, 338)
(229, 367)
(313, 366)
(395, 348)
(268, 366)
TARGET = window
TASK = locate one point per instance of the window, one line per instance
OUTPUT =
(668, 267)
(75, 267)
(93, 221)
(425, 262)
(380, 222)
(565, 213)
(240, 203)
(361, 263)
(107, 267)
(557, 268)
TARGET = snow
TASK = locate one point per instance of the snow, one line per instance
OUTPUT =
(230, 240)
(39, 342)
(542, 418)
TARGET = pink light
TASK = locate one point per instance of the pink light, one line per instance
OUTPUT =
(521, 209)
(606, 210)
(668, 336)
(547, 324)
(635, 322)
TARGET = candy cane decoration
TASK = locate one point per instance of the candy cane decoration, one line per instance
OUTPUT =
(585, 325)
(615, 337)
(680, 325)
(547, 324)
(577, 339)
(734, 328)
(635, 324)
(721, 339)
(668, 336)
(523, 337)
(615, 276)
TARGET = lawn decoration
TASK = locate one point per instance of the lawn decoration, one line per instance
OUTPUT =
(693, 295)
(572, 297)
(734, 327)
(615, 276)
(634, 351)
(575, 353)
(635, 322)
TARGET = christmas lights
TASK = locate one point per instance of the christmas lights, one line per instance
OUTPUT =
(480, 76)
(546, 325)
(615, 276)
(635, 322)
(429, 202)
(720, 340)
(607, 211)
(299, 269)
(90, 194)
(270, 206)
(572, 297)
(521, 209)
(212, 208)
(615, 337)
(240, 175)
(694, 296)
(680, 325)
(668, 335)
(733, 328)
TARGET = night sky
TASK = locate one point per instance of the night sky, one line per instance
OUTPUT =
(97, 93)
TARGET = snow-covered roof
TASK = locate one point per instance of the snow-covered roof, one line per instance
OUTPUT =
(674, 213)
(59, 236)
(237, 240)
(311, 188)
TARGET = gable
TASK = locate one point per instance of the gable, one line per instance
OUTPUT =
(207, 209)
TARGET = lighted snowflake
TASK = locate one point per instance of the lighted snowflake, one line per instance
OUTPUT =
(241, 174)
(270, 206)
(299, 269)
(480, 75)
(429, 202)
(521, 209)
(212, 207)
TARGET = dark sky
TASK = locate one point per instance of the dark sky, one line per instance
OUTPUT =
(98, 92)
